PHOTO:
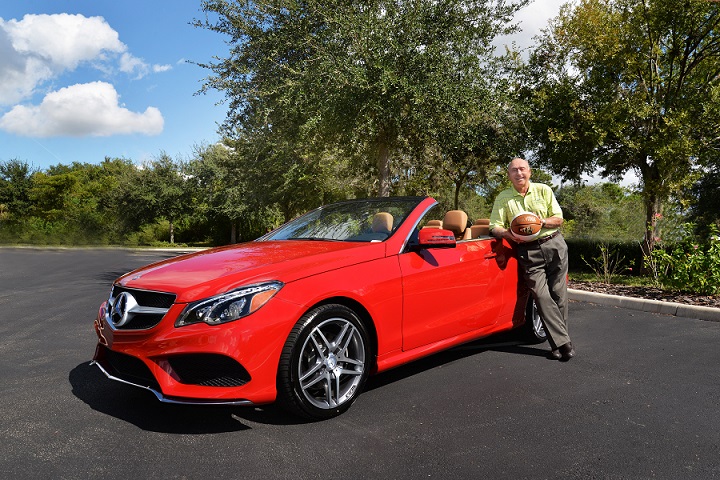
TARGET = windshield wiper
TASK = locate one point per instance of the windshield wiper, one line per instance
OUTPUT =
(315, 239)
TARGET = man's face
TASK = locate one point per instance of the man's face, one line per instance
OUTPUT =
(519, 173)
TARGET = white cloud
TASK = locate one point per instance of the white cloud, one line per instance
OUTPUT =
(137, 66)
(130, 64)
(63, 40)
(532, 19)
(161, 68)
(39, 48)
(90, 109)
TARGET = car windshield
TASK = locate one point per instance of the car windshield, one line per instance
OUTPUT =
(367, 220)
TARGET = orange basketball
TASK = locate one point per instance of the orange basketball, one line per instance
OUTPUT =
(526, 226)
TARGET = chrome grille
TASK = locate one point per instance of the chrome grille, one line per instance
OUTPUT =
(134, 309)
(147, 298)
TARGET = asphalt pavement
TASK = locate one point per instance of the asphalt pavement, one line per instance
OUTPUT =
(640, 400)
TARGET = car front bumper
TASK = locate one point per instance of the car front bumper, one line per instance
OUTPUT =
(231, 364)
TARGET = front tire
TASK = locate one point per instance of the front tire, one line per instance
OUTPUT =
(325, 363)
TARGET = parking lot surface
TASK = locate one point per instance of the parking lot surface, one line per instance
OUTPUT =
(641, 400)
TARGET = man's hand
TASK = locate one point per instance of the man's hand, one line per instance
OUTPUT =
(549, 222)
(499, 232)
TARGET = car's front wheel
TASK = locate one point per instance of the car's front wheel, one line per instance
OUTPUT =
(325, 363)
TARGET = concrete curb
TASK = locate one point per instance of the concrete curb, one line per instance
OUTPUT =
(652, 306)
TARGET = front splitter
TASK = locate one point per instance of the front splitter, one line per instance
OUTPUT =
(174, 400)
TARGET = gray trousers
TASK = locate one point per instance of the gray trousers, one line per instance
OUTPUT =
(544, 267)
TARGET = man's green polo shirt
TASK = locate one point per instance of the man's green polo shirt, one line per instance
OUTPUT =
(539, 199)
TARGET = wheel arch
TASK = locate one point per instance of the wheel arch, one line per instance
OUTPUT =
(361, 312)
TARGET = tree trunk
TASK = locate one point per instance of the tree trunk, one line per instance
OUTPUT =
(458, 186)
(172, 232)
(653, 206)
(383, 164)
(653, 212)
(459, 182)
(233, 231)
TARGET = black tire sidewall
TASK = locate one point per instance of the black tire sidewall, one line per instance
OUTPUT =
(289, 391)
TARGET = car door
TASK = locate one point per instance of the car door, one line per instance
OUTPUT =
(451, 291)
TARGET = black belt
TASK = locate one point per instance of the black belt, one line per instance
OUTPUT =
(542, 240)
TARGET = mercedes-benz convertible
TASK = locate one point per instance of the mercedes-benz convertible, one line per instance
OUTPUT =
(302, 315)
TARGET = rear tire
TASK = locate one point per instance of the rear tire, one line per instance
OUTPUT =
(533, 330)
(325, 363)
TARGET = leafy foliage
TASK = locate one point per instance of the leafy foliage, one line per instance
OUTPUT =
(605, 212)
(370, 78)
(15, 183)
(691, 264)
(336, 100)
(629, 85)
(704, 200)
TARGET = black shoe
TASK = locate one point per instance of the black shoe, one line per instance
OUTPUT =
(566, 352)
(554, 355)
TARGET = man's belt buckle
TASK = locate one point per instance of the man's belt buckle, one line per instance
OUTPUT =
(542, 240)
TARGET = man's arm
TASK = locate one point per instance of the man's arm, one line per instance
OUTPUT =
(500, 232)
(552, 222)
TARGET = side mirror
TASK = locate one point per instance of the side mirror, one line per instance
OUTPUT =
(436, 238)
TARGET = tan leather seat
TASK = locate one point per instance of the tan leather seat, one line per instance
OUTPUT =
(456, 222)
(481, 228)
(434, 224)
(382, 222)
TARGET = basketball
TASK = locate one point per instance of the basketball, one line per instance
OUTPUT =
(526, 226)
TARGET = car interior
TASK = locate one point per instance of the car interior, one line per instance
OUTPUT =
(457, 222)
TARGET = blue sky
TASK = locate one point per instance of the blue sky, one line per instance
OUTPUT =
(84, 79)
(81, 80)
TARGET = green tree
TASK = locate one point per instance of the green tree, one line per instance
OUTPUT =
(368, 78)
(76, 200)
(254, 183)
(15, 185)
(630, 85)
(221, 187)
(50, 193)
(482, 133)
(605, 212)
(166, 187)
(159, 190)
(704, 199)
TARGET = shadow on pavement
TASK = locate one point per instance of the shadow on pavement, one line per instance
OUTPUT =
(142, 409)
(507, 342)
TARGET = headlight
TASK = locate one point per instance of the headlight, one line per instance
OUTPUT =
(228, 306)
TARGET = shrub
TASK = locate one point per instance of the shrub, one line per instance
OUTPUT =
(608, 264)
(688, 265)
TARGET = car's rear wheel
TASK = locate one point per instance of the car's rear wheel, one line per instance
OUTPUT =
(534, 330)
(325, 363)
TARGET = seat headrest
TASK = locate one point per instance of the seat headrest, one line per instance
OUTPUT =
(382, 222)
(434, 224)
(482, 221)
(455, 221)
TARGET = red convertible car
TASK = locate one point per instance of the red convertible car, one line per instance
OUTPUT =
(305, 313)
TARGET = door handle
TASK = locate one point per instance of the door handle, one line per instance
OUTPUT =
(491, 255)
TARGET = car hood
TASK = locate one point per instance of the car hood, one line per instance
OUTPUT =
(210, 272)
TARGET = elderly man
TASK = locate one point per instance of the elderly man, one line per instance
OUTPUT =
(543, 261)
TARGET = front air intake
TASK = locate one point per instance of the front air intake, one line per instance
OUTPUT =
(209, 370)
